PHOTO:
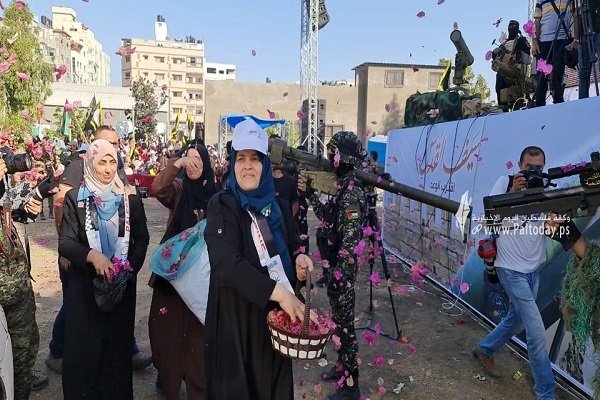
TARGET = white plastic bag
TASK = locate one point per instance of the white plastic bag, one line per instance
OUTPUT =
(192, 286)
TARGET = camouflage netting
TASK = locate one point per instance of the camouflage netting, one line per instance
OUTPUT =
(580, 303)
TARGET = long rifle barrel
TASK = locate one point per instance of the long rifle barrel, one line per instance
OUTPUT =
(279, 149)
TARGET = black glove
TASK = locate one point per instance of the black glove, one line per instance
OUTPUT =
(490, 272)
(566, 234)
(47, 187)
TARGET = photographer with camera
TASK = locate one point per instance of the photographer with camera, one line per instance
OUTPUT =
(343, 220)
(16, 292)
(520, 249)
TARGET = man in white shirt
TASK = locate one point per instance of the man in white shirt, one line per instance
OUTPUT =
(519, 251)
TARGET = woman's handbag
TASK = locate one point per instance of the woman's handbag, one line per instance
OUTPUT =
(183, 261)
(108, 294)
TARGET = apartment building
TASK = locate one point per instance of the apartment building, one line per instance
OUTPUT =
(89, 64)
(219, 72)
(176, 63)
(56, 46)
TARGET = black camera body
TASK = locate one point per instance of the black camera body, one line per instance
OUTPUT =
(534, 177)
(17, 162)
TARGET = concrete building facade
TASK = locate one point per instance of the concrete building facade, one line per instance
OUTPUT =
(89, 64)
(381, 84)
(176, 63)
(56, 46)
(219, 72)
(360, 108)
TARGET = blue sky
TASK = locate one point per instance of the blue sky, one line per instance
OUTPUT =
(359, 31)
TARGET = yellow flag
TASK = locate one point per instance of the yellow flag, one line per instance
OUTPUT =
(175, 130)
(444, 82)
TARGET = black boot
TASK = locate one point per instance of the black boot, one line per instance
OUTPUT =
(332, 375)
(346, 393)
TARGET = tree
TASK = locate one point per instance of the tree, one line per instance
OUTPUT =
(25, 77)
(472, 84)
(147, 103)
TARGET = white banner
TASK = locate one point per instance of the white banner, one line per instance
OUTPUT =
(453, 158)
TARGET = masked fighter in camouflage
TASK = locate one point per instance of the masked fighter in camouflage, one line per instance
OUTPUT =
(343, 218)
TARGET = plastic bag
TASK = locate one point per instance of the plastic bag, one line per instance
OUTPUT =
(175, 256)
(183, 261)
(108, 294)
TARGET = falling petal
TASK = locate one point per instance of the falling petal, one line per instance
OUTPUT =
(22, 76)
(421, 14)
(163, 310)
(388, 107)
(509, 164)
(455, 26)
(271, 114)
(464, 287)
(374, 122)
(488, 55)
(253, 52)
(415, 68)
(20, 5)
(497, 23)
(300, 114)
(441, 2)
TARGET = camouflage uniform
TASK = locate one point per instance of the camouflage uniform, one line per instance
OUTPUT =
(18, 301)
(350, 206)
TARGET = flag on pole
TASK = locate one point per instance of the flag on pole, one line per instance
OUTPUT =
(175, 130)
(190, 124)
(444, 82)
(91, 124)
(100, 118)
(65, 123)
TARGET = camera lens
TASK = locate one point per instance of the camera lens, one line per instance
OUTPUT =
(17, 162)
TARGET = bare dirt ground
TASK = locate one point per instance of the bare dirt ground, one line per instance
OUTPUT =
(435, 362)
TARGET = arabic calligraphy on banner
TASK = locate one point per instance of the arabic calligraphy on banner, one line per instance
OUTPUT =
(436, 151)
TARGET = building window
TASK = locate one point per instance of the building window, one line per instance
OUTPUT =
(145, 56)
(198, 80)
(177, 94)
(394, 78)
(199, 111)
(159, 77)
(127, 59)
(177, 60)
(177, 110)
(230, 71)
(195, 96)
(192, 60)
(177, 77)
(211, 70)
(159, 59)
(127, 75)
(434, 79)
(146, 74)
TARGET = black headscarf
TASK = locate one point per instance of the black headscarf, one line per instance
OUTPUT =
(194, 196)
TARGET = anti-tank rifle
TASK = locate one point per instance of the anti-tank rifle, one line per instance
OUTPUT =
(572, 202)
(320, 171)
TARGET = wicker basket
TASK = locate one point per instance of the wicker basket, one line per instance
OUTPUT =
(299, 346)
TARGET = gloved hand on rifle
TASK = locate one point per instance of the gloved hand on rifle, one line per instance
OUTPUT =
(487, 251)
(562, 230)
(305, 187)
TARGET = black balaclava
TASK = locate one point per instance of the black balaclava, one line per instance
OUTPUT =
(513, 29)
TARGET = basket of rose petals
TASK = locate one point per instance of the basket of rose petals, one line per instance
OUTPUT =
(300, 340)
